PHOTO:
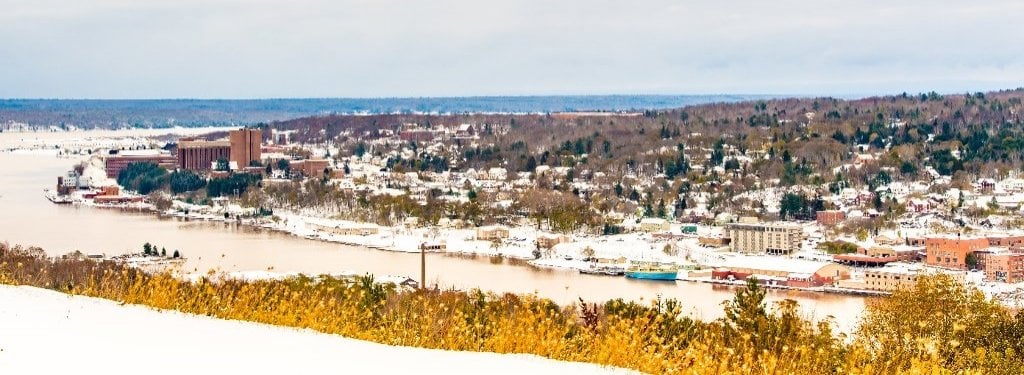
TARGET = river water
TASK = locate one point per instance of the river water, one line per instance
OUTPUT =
(27, 218)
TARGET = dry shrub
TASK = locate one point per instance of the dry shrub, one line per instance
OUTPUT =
(961, 331)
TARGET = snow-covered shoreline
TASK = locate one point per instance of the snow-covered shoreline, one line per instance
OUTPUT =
(47, 332)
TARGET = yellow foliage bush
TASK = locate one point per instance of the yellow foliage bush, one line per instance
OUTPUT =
(938, 327)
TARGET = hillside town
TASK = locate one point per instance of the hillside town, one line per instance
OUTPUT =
(697, 212)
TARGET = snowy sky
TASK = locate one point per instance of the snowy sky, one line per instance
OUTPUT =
(372, 48)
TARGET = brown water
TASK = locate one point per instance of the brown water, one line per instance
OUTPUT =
(27, 218)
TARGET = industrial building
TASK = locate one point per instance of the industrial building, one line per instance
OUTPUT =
(781, 271)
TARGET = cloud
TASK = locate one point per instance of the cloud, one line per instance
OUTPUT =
(358, 48)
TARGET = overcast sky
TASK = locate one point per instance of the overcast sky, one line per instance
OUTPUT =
(374, 48)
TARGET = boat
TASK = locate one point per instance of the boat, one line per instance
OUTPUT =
(600, 269)
(652, 271)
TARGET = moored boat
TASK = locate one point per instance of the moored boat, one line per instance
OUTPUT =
(652, 271)
(609, 270)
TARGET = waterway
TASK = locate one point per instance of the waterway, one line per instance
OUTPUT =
(27, 218)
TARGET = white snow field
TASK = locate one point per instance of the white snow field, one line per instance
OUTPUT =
(47, 332)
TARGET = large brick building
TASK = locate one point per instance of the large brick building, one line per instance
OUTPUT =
(245, 146)
(951, 252)
(116, 163)
(1001, 264)
(312, 168)
(241, 148)
(200, 155)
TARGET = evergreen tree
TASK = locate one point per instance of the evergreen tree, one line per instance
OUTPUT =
(747, 309)
(531, 164)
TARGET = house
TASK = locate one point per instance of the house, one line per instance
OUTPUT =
(654, 225)
(465, 131)
(498, 174)
(547, 241)
(986, 185)
(491, 233)
(830, 217)
(918, 205)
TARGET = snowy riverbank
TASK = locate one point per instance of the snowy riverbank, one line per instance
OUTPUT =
(46, 332)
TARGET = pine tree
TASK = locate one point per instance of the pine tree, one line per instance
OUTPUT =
(747, 308)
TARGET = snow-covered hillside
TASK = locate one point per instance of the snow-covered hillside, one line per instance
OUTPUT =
(46, 332)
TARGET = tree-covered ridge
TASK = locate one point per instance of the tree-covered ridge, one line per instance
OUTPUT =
(661, 162)
(801, 137)
(85, 113)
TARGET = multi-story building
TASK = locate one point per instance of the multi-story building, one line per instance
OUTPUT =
(898, 276)
(245, 146)
(242, 147)
(769, 238)
(116, 163)
(68, 182)
(1005, 240)
(200, 155)
(891, 278)
(312, 168)
(951, 251)
(1001, 264)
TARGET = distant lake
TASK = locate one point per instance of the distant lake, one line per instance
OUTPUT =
(191, 112)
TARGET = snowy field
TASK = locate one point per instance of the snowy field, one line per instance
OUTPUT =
(46, 332)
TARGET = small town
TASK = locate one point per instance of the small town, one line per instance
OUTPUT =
(512, 187)
(968, 233)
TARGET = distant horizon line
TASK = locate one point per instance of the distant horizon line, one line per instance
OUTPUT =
(843, 96)
(776, 95)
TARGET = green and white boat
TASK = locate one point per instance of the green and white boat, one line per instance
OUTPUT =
(652, 271)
